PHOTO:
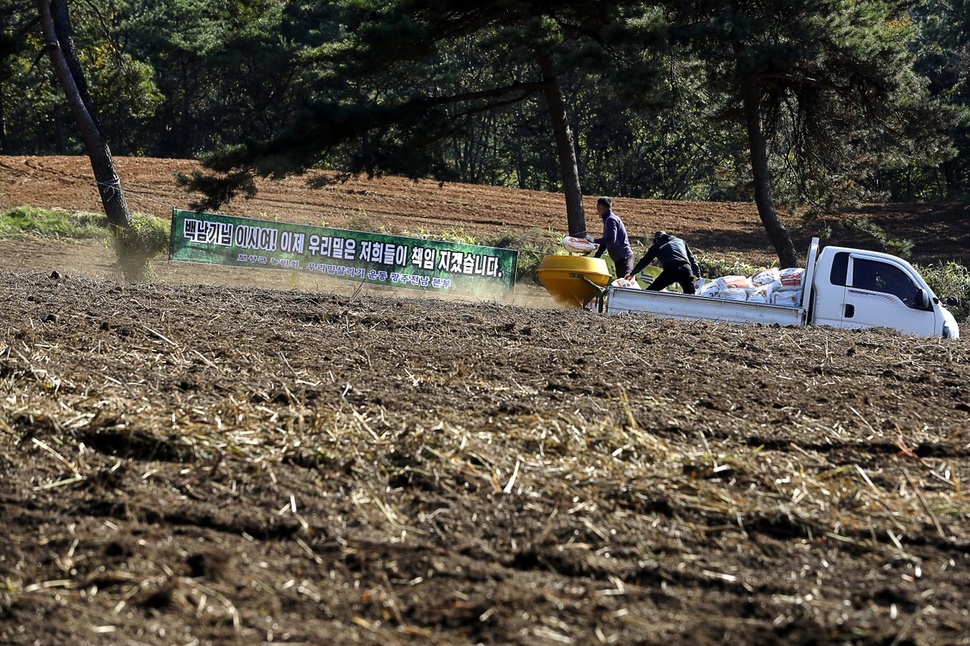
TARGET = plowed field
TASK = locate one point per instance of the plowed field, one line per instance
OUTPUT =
(230, 457)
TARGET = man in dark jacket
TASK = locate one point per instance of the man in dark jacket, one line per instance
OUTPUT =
(676, 260)
(615, 240)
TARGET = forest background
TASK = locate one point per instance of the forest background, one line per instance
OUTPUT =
(814, 106)
(649, 91)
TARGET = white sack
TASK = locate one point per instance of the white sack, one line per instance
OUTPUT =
(757, 296)
(731, 282)
(578, 245)
(623, 282)
(765, 276)
(788, 298)
(791, 278)
(733, 294)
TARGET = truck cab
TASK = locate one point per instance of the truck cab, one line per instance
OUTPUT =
(860, 289)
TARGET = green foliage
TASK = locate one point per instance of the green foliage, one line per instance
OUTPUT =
(125, 93)
(877, 235)
(361, 220)
(951, 279)
(839, 99)
(898, 247)
(458, 234)
(532, 245)
(438, 90)
(138, 244)
(716, 267)
(860, 99)
(940, 51)
(135, 246)
(52, 223)
(29, 94)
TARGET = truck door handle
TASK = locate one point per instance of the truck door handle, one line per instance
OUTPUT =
(849, 311)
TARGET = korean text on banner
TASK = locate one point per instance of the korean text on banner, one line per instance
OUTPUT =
(397, 261)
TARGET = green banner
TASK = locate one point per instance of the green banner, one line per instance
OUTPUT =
(396, 261)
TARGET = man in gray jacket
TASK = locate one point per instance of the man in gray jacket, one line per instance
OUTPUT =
(677, 263)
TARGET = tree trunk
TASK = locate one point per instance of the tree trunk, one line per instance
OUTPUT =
(565, 147)
(4, 146)
(56, 25)
(777, 233)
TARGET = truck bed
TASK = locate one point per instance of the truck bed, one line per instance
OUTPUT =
(687, 307)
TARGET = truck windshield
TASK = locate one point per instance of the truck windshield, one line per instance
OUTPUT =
(878, 276)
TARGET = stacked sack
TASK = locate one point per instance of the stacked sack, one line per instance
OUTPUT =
(772, 285)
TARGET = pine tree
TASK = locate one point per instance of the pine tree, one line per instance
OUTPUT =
(392, 62)
(55, 22)
(824, 87)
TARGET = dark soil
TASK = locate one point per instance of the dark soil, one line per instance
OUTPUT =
(201, 460)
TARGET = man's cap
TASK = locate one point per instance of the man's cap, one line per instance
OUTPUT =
(659, 234)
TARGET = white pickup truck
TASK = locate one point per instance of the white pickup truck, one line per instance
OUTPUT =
(841, 287)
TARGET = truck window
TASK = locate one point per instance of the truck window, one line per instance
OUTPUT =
(878, 276)
(840, 268)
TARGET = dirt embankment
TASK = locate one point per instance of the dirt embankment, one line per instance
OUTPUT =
(939, 232)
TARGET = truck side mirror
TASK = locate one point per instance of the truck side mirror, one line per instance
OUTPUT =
(922, 300)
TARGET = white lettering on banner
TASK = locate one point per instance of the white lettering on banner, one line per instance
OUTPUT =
(395, 254)
(403, 262)
(383, 253)
(256, 260)
(386, 261)
(190, 230)
(492, 267)
(219, 233)
(259, 238)
(423, 258)
(285, 263)
(457, 262)
(319, 246)
(339, 248)
(292, 242)
(416, 280)
(367, 248)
